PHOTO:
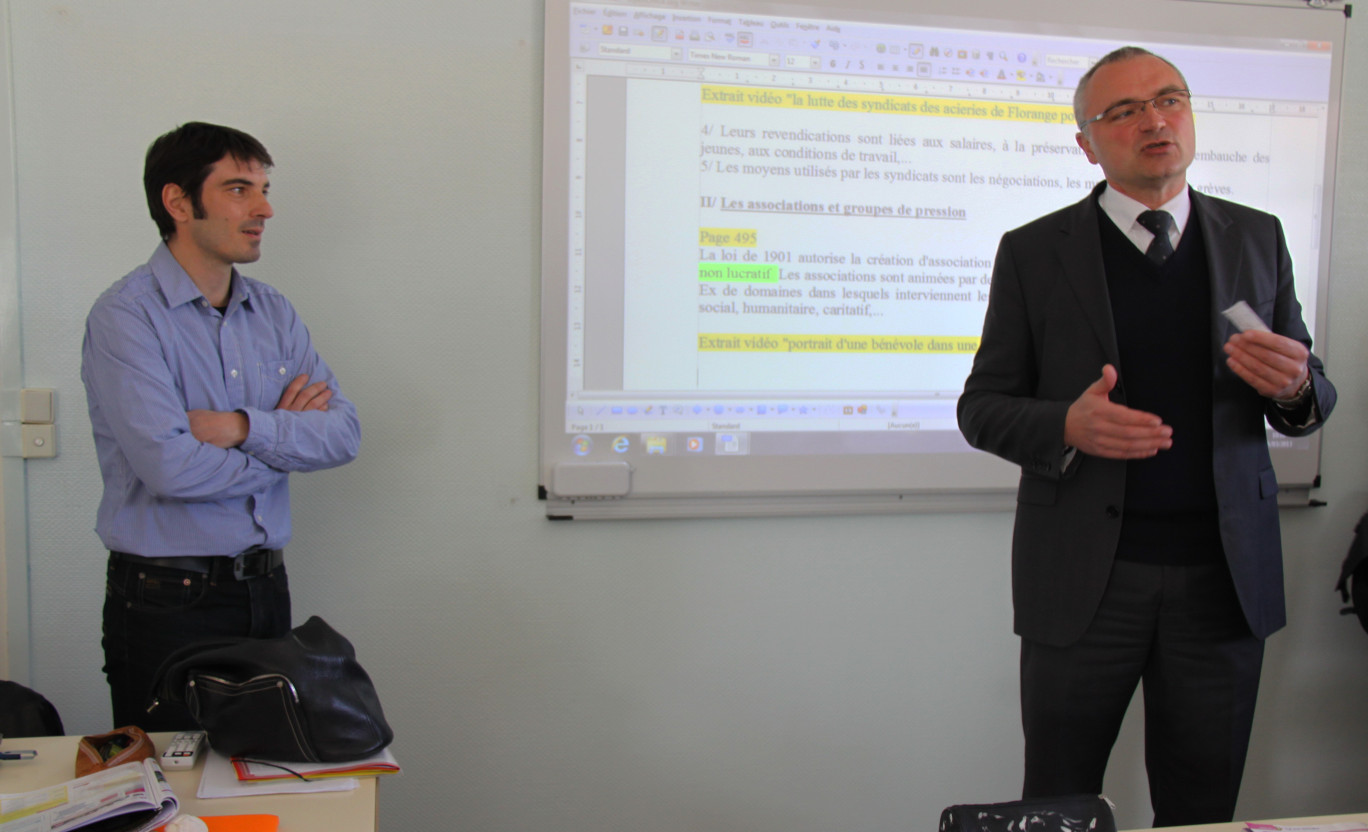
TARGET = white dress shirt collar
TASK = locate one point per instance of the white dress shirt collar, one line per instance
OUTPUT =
(1123, 211)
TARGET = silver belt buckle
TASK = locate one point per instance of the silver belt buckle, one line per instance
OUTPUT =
(240, 564)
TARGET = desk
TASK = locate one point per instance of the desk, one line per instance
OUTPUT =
(351, 811)
(1239, 825)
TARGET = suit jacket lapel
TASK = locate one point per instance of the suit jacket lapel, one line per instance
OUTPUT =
(1080, 256)
(1224, 253)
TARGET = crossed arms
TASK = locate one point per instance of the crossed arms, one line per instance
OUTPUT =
(161, 404)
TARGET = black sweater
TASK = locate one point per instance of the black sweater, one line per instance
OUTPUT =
(1163, 330)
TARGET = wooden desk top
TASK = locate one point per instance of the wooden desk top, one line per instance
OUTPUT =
(350, 811)
(1239, 825)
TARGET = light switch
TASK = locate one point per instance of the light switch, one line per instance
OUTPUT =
(36, 406)
(38, 441)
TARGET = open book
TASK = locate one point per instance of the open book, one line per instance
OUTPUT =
(133, 797)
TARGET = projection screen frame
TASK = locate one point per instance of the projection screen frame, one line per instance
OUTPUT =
(602, 483)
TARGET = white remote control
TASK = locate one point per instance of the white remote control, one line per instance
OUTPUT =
(183, 749)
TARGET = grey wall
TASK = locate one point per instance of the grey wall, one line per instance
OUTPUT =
(802, 675)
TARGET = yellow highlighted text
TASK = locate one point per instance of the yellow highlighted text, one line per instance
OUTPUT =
(879, 103)
(863, 344)
(728, 237)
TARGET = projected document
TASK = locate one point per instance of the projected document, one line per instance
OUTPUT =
(773, 227)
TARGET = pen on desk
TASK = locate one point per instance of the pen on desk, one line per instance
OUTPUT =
(18, 755)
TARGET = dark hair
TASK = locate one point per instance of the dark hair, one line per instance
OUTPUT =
(185, 156)
(1125, 53)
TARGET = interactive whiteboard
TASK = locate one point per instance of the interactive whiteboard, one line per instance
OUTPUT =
(769, 229)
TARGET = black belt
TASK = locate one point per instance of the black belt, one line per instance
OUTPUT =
(252, 563)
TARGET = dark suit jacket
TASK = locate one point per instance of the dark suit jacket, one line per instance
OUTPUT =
(1047, 332)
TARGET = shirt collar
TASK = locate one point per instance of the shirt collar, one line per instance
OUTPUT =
(1123, 211)
(178, 288)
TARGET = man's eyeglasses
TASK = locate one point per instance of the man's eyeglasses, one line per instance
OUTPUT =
(1171, 103)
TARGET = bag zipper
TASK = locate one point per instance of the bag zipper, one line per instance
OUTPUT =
(281, 682)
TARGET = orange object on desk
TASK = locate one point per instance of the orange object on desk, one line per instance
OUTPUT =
(239, 823)
(242, 823)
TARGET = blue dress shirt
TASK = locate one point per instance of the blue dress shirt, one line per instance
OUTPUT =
(154, 349)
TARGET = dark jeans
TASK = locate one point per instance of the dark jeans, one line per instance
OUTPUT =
(151, 611)
(1179, 629)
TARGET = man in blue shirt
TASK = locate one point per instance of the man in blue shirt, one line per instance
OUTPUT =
(205, 393)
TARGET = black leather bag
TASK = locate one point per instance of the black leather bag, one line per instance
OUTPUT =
(27, 713)
(1075, 813)
(1353, 579)
(299, 698)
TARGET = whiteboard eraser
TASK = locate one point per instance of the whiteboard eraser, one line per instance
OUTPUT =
(591, 479)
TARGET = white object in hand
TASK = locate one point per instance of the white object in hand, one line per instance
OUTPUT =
(186, 823)
(1244, 318)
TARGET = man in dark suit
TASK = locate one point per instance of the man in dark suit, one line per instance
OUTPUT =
(1146, 545)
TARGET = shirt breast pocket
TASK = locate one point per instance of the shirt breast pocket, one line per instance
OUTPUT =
(274, 374)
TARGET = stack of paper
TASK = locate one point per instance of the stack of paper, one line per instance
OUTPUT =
(237, 777)
(253, 770)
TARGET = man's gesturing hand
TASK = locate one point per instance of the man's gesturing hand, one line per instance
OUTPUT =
(299, 398)
(1098, 426)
